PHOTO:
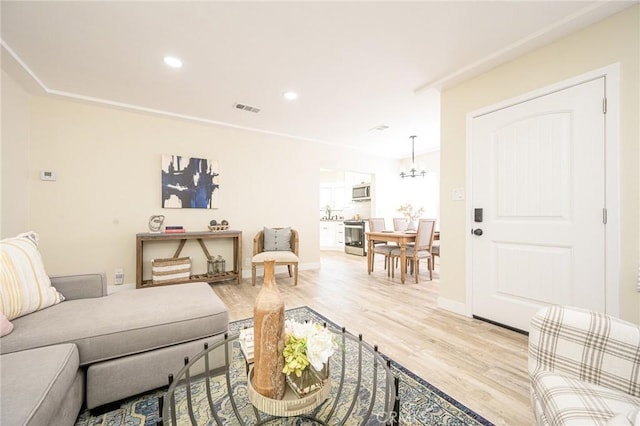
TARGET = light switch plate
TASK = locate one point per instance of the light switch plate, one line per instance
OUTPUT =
(457, 194)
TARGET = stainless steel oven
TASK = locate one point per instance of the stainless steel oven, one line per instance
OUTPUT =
(354, 238)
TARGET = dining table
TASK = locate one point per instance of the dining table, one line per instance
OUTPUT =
(402, 238)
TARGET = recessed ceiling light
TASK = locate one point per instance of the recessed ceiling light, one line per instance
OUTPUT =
(292, 96)
(173, 62)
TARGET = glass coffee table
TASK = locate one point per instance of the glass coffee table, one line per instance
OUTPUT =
(212, 389)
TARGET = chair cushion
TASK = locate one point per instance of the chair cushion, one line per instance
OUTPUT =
(569, 401)
(126, 322)
(35, 383)
(277, 239)
(422, 254)
(24, 284)
(278, 256)
(384, 248)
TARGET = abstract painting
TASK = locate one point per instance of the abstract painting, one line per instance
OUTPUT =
(189, 183)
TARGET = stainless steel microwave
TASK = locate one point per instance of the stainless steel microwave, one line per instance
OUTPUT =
(361, 192)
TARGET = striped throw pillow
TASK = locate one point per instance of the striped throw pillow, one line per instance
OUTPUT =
(24, 284)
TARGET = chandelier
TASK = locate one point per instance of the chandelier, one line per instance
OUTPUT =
(413, 172)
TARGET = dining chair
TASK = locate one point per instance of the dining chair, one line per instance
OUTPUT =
(420, 250)
(380, 247)
(435, 249)
(400, 224)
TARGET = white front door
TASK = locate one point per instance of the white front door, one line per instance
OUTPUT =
(538, 173)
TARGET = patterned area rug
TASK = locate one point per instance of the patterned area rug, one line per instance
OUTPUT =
(420, 402)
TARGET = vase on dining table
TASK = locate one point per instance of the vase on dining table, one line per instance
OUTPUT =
(411, 225)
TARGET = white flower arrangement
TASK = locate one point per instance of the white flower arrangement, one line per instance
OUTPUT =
(407, 211)
(306, 344)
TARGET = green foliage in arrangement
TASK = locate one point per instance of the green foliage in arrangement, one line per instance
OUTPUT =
(295, 355)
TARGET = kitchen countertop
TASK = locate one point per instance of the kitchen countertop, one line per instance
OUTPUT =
(343, 220)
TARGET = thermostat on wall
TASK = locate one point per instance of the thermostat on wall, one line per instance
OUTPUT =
(47, 175)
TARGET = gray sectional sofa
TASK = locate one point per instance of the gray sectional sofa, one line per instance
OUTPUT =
(95, 348)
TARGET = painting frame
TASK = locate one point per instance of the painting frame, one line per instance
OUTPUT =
(190, 182)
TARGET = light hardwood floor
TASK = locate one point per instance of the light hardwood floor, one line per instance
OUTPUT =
(479, 364)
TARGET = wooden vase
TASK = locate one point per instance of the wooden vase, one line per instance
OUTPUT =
(269, 337)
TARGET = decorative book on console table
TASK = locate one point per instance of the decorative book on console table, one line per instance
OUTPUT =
(174, 230)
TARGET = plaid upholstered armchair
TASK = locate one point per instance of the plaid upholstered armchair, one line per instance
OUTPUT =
(584, 368)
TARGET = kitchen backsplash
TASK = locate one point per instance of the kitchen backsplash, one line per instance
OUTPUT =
(354, 210)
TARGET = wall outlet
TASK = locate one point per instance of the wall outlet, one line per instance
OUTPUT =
(119, 277)
(48, 175)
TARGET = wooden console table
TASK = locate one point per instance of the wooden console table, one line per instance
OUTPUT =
(182, 238)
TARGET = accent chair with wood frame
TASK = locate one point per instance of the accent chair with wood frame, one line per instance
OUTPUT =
(279, 244)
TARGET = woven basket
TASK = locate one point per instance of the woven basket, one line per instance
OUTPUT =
(174, 268)
(218, 227)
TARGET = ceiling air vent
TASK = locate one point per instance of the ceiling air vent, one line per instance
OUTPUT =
(247, 108)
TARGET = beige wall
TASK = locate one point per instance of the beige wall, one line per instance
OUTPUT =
(14, 148)
(614, 40)
(108, 183)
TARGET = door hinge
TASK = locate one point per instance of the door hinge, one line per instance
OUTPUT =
(604, 105)
(604, 215)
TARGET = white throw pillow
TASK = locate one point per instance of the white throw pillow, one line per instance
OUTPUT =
(5, 325)
(24, 284)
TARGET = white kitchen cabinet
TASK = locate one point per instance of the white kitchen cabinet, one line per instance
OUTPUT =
(340, 235)
(327, 235)
(331, 235)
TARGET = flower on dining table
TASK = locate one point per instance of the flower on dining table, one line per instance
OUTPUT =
(306, 344)
(408, 212)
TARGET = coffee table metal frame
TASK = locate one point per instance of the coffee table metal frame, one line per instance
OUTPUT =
(185, 377)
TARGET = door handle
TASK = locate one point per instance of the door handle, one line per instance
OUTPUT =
(476, 231)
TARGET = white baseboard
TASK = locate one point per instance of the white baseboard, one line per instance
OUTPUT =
(452, 306)
(306, 266)
(112, 288)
